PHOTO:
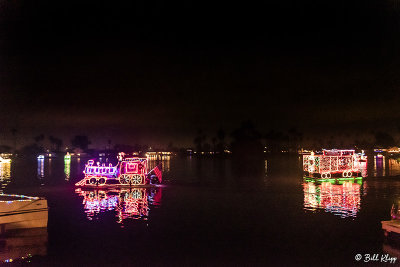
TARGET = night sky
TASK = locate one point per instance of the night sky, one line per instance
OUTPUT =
(155, 71)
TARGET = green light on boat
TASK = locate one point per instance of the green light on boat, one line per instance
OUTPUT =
(338, 180)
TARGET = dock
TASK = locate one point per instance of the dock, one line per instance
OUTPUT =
(391, 226)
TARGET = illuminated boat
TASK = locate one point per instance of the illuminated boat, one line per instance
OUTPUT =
(333, 165)
(18, 211)
(130, 171)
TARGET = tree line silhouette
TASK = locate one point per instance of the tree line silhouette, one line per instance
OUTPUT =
(243, 140)
(248, 140)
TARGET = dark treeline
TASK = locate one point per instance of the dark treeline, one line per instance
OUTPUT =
(78, 144)
(248, 140)
(42, 143)
(243, 140)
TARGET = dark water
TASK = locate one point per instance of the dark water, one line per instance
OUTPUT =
(210, 212)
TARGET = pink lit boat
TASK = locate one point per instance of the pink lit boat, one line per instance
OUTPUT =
(130, 171)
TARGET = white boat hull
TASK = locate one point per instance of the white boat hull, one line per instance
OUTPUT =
(31, 213)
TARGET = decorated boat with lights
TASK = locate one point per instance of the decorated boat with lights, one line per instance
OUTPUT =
(19, 211)
(332, 165)
(130, 171)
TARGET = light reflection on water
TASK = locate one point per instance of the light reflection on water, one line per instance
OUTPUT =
(379, 166)
(5, 174)
(385, 166)
(130, 203)
(67, 168)
(342, 200)
(40, 168)
(394, 167)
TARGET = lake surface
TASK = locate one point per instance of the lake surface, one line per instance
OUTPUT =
(208, 212)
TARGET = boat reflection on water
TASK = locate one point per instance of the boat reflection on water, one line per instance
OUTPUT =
(340, 199)
(128, 203)
(21, 245)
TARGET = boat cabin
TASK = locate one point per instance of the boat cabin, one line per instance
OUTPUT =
(331, 162)
(93, 170)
